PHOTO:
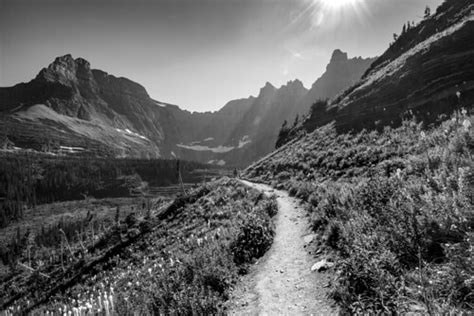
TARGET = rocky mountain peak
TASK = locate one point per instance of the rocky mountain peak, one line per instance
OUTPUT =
(293, 86)
(338, 56)
(269, 85)
(267, 89)
(82, 63)
(66, 60)
(295, 83)
(65, 69)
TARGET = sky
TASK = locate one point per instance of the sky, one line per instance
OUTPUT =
(198, 54)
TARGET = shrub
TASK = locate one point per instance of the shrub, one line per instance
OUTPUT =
(253, 240)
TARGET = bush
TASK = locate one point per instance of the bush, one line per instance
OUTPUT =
(253, 240)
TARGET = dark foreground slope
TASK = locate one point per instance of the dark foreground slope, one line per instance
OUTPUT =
(419, 74)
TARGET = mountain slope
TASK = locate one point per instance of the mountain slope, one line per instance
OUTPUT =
(124, 119)
(419, 74)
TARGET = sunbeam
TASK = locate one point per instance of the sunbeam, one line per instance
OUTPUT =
(333, 12)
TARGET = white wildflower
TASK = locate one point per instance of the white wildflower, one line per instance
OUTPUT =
(467, 124)
(399, 173)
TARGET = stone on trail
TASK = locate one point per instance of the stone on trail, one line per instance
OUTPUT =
(308, 238)
(322, 265)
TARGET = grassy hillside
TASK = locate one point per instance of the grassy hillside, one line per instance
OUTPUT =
(179, 258)
(394, 207)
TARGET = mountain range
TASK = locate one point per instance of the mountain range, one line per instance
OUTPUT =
(71, 108)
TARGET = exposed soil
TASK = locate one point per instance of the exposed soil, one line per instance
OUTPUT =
(282, 282)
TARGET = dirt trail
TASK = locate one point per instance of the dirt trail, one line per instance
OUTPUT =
(282, 283)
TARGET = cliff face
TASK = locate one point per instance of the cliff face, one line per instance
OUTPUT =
(418, 75)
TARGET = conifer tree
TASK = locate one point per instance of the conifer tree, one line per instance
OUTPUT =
(427, 12)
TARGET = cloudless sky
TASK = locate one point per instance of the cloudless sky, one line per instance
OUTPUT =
(198, 54)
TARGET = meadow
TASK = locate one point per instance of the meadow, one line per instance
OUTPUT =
(180, 256)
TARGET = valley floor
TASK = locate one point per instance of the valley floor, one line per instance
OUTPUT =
(282, 282)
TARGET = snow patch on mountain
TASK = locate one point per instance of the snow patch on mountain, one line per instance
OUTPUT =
(217, 162)
(160, 104)
(71, 150)
(129, 132)
(218, 149)
(244, 141)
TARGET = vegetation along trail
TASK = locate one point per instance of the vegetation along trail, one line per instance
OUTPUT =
(282, 282)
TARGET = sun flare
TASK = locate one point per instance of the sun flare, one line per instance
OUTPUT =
(329, 13)
(339, 4)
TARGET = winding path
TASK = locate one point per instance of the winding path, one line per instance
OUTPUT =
(282, 283)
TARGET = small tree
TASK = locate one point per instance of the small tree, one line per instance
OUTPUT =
(427, 12)
(5, 142)
(117, 215)
(297, 120)
(283, 134)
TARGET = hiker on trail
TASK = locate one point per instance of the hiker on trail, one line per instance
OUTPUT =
(235, 173)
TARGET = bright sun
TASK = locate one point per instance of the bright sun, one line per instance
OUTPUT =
(338, 4)
(328, 13)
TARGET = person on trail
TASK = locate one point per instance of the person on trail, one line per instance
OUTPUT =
(235, 173)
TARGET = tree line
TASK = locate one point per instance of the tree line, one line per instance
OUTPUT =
(29, 179)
